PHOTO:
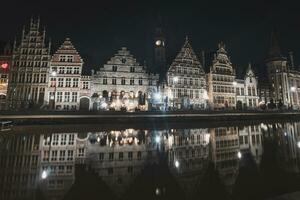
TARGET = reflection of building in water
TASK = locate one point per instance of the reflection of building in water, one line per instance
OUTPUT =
(250, 139)
(59, 151)
(225, 149)
(19, 162)
(188, 154)
(119, 156)
(288, 140)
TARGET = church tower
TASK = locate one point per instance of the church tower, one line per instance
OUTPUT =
(160, 52)
(277, 67)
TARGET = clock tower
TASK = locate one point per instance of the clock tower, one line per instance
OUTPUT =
(160, 52)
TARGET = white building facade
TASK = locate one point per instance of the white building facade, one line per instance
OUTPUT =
(221, 78)
(186, 88)
(123, 84)
(64, 78)
(246, 91)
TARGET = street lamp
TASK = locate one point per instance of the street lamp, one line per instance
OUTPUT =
(293, 89)
(239, 155)
(234, 83)
(54, 74)
(176, 164)
(44, 174)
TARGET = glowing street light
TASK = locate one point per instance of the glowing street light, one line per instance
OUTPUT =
(175, 79)
(44, 174)
(298, 144)
(157, 139)
(293, 88)
(53, 73)
(239, 155)
(157, 96)
(177, 164)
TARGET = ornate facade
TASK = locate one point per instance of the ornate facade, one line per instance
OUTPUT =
(5, 62)
(246, 91)
(186, 88)
(64, 78)
(221, 77)
(123, 84)
(29, 70)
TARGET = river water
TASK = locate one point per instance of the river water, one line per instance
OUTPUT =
(255, 161)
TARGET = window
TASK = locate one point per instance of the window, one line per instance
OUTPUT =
(69, 58)
(104, 80)
(59, 97)
(101, 156)
(85, 85)
(120, 155)
(60, 82)
(70, 155)
(67, 96)
(74, 97)
(69, 70)
(75, 82)
(131, 81)
(81, 152)
(61, 70)
(52, 82)
(114, 68)
(62, 154)
(62, 58)
(111, 156)
(28, 78)
(71, 139)
(132, 69)
(35, 78)
(43, 78)
(123, 82)
(140, 81)
(63, 139)
(68, 82)
(54, 155)
(129, 155)
(114, 81)
(76, 70)
(139, 155)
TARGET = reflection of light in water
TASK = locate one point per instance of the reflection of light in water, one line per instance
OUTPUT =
(176, 164)
(157, 139)
(98, 139)
(44, 174)
(264, 127)
(285, 134)
(239, 155)
(157, 191)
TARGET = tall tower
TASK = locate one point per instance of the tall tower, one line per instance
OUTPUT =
(277, 72)
(29, 69)
(160, 53)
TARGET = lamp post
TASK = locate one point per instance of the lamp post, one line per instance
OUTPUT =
(54, 74)
(234, 83)
(293, 89)
(175, 81)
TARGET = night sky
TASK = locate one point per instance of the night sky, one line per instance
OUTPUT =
(98, 30)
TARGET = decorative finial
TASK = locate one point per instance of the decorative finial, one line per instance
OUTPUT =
(186, 39)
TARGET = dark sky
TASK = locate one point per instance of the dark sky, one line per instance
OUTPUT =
(99, 29)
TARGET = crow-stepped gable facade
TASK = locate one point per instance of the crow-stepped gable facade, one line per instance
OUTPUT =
(186, 80)
(221, 80)
(123, 84)
(64, 78)
(28, 73)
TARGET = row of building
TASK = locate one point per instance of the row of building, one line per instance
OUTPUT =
(32, 77)
(46, 161)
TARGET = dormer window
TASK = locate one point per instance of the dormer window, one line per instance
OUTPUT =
(70, 58)
(250, 80)
(62, 58)
(123, 60)
(114, 68)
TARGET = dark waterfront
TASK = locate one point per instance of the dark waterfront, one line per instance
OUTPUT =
(186, 161)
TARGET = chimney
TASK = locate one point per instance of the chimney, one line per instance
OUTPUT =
(292, 60)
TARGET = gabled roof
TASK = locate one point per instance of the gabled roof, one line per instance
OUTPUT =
(186, 58)
(67, 48)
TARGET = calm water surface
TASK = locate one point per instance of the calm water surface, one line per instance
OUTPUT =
(258, 161)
